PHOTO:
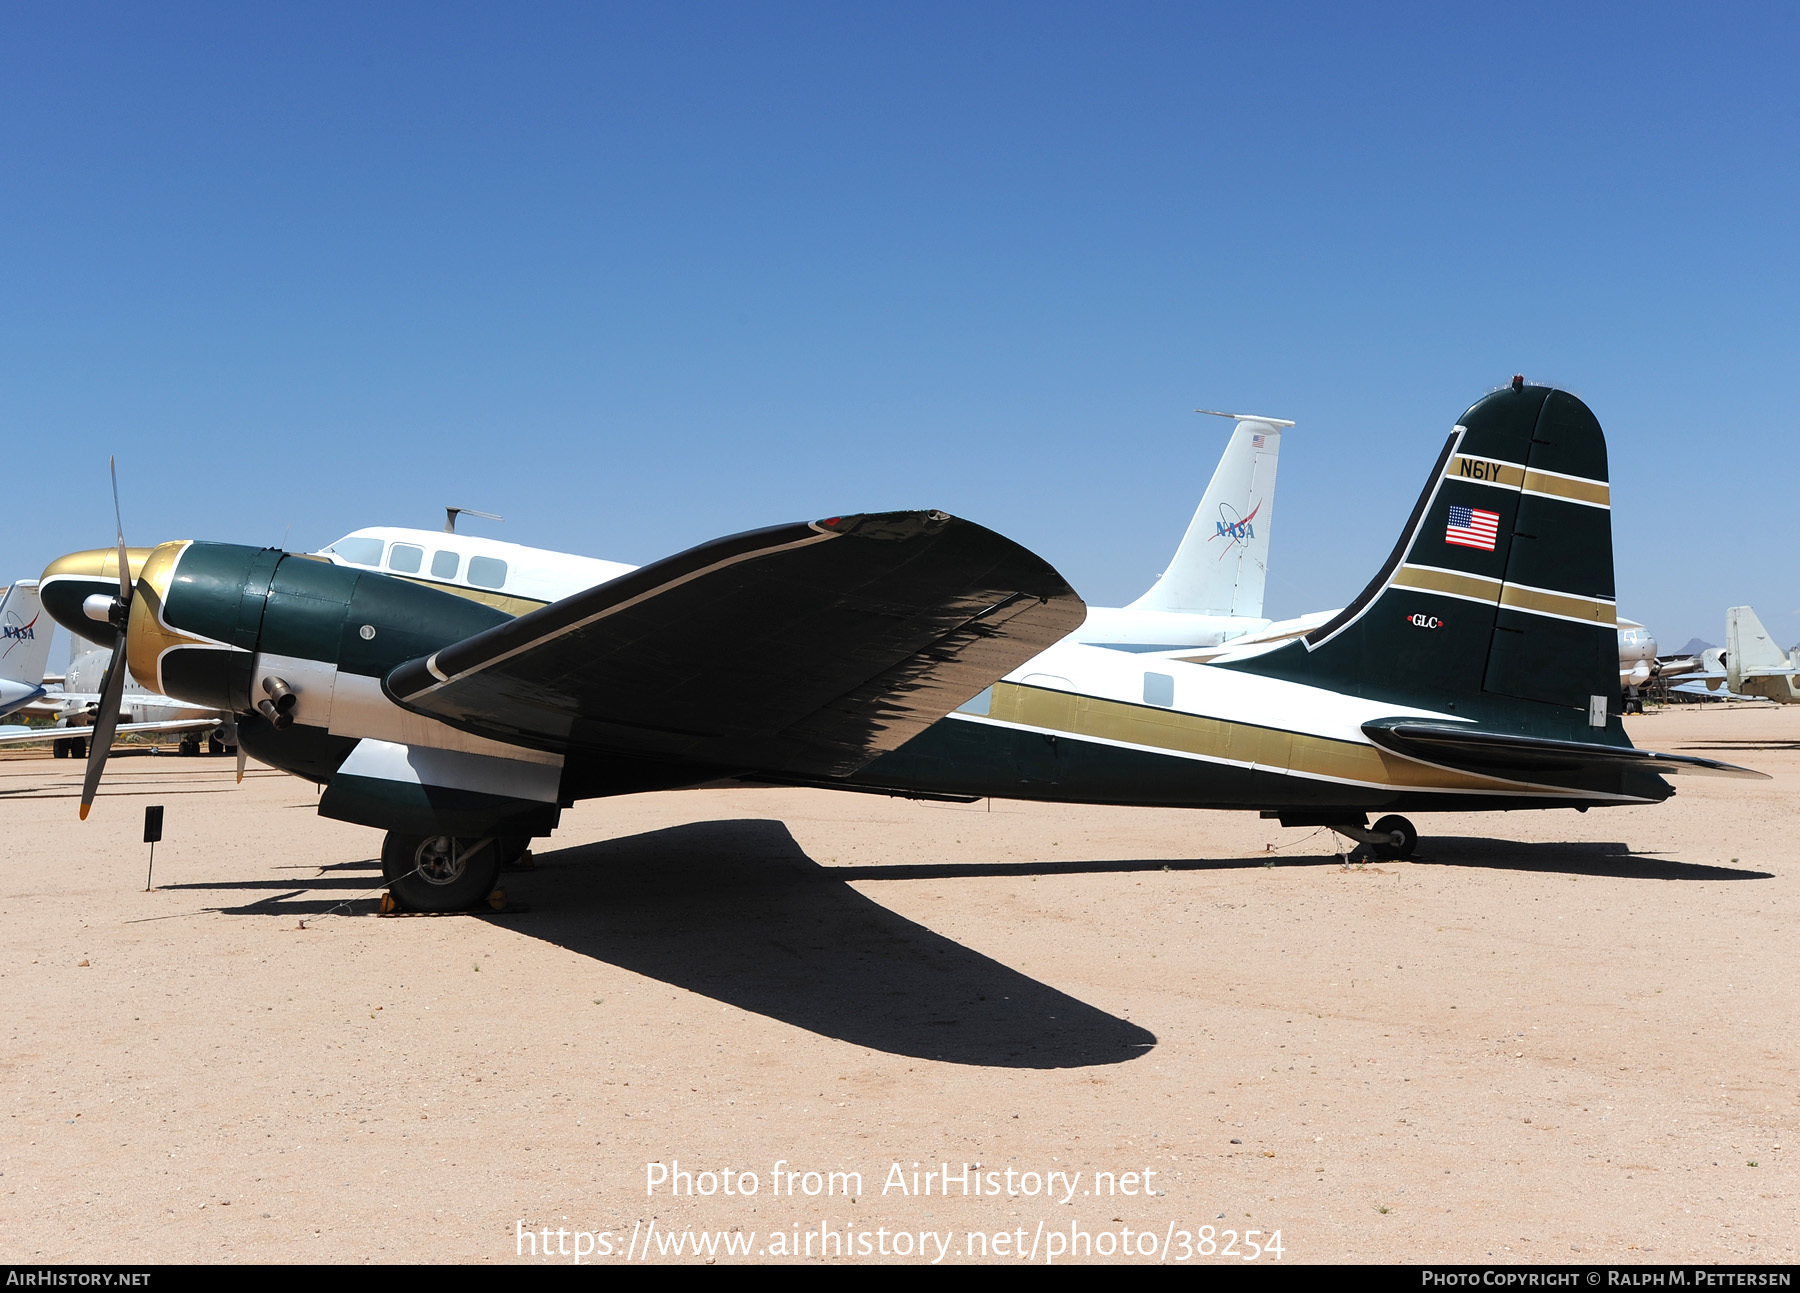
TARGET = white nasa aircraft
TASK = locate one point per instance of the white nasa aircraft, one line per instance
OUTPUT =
(1212, 591)
(25, 646)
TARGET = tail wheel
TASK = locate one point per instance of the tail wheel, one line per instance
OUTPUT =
(439, 872)
(1395, 825)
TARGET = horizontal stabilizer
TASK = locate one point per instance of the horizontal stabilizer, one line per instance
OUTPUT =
(1535, 758)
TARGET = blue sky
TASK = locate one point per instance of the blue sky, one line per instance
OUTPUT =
(636, 276)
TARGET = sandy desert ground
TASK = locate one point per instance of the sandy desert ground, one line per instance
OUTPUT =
(1553, 1037)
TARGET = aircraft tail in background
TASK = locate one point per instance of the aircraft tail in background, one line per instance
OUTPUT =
(24, 646)
(1222, 562)
(1754, 665)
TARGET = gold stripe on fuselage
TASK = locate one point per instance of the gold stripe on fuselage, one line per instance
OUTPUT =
(1244, 743)
(514, 606)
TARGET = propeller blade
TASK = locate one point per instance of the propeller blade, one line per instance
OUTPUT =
(241, 757)
(112, 691)
(124, 565)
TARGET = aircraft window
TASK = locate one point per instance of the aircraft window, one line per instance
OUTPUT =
(1159, 689)
(358, 552)
(444, 564)
(487, 572)
(405, 558)
(978, 704)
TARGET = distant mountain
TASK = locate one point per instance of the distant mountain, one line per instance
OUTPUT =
(1695, 646)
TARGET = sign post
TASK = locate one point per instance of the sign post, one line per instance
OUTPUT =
(152, 833)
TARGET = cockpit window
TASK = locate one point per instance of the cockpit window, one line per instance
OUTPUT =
(444, 564)
(358, 552)
(406, 558)
(487, 572)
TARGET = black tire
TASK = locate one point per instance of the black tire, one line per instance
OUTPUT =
(214, 746)
(59, 749)
(438, 872)
(78, 747)
(1396, 825)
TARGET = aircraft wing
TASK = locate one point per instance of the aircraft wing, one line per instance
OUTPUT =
(19, 735)
(806, 649)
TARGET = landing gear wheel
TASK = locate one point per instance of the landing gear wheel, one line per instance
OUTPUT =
(214, 746)
(439, 872)
(1394, 825)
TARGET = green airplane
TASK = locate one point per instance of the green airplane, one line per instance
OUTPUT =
(912, 653)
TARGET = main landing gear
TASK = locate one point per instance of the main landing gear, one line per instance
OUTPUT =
(438, 873)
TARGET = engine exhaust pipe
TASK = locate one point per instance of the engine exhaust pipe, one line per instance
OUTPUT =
(279, 707)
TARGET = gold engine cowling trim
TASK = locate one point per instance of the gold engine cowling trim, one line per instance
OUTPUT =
(101, 563)
(148, 636)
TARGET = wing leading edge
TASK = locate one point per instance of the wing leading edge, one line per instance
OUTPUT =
(807, 649)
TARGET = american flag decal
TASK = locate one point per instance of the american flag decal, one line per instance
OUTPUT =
(1470, 527)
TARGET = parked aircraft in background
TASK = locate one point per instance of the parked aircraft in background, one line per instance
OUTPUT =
(24, 646)
(913, 653)
(1749, 665)
(74, 699)
(1212, 591)
(1637, 664)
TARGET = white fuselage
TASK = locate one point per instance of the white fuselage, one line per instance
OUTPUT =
(471, 565)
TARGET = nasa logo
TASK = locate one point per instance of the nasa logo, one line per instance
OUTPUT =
(21, 632)
(1235, 529)
(1425, 621)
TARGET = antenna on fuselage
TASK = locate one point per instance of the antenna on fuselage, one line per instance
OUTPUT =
(451, 513)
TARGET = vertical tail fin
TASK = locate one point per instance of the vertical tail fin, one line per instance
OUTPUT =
(1748, 647)
(1223, 559)
(1498, 601)
(26, 630)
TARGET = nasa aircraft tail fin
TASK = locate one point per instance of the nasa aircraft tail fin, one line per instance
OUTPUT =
(1223, 559)
(25, 647)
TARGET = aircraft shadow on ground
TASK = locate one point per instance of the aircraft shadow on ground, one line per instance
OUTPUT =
(736, 911)
(1575, 857)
